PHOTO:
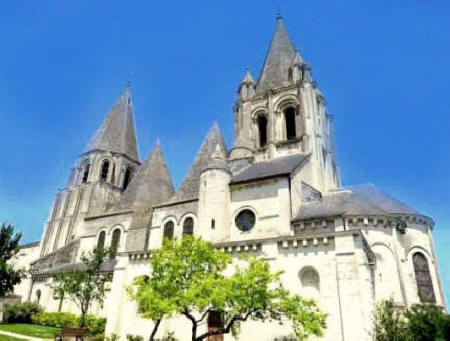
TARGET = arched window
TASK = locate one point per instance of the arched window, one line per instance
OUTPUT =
(262, 130)
(115, 241)
(127, 177)
(105, 170)
(423, 278)
(310, 281)
(188, 226)
(86, 169)
(101, 240)
(289, 118)
(168, 230)
(38, 295)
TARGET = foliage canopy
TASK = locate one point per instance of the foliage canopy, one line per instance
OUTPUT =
(191, 278)
(84, 286)
(9, 246)
(422, 322)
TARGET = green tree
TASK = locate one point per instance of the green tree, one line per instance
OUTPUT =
(9, 246)
(427, 322)
(422, 322)
(188, 278)
(154, 302)
(389, 324)
(86, 285)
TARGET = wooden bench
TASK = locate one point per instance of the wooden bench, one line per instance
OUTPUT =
(67, 333)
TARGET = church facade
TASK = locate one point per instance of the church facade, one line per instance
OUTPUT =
(276, 193)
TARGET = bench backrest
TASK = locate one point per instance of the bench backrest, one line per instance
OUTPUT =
(67, 331)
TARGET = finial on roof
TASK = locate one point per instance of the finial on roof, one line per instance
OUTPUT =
(130, 77)
(279, 16)
(248, 78)
(298, 60)
(275, 72)
(117, 132)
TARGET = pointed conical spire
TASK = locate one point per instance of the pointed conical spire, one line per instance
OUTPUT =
(298, 60)
(217, 160)
(151, 185)
(275, 71)
(247, 86)
(248, 78)
(117, 133)
(190, 186)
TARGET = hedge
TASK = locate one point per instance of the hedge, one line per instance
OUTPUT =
(95, 325)
(20, 312)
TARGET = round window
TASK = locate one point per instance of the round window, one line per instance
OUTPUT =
(245, 220)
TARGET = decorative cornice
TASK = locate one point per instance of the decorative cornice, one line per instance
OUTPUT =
(255, 245)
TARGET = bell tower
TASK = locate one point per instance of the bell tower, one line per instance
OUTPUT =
(284, 113)
(100, 175)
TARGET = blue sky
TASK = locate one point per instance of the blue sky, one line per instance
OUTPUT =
(382, 65)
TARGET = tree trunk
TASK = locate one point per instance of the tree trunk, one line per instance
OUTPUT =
(83, 319)
(194, 331)
(84, 310)
(155, 329)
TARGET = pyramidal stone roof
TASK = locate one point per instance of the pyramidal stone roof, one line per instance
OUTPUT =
(217, 160)
(279, 59)
(117, 132)
(365, 199)
(190, 186)
(151, 184)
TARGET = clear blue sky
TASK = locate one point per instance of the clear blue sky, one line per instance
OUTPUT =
(382, 65)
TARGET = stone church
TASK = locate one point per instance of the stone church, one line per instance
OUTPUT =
(275, 193)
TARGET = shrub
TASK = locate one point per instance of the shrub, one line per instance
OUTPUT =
(20, 312)
(134, 338)
(55, 319)
(95, 325)
(390, 324)
(427, 322)
(421, 322)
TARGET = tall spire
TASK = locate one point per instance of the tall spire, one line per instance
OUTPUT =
(190, 186)
(151, 185)
(275, 71)
(117, 133)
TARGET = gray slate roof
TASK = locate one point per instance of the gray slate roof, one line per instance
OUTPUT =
(151, 184)
(363, 199)
(280, 166)
(107, 266)
(190, 186)
(117, 133)
(280, 56)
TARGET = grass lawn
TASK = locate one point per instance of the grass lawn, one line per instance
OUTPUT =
(30, 330)
(9, 338)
